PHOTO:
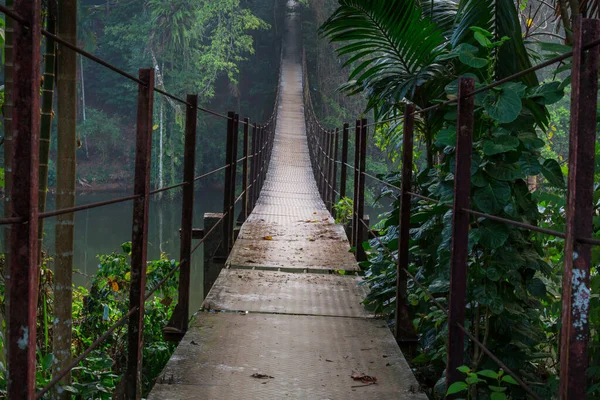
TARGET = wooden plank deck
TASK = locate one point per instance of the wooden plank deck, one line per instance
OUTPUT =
(279, 308)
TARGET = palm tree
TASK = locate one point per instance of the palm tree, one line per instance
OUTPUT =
(402, 49)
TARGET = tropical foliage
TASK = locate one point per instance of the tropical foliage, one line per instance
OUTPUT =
(416, 56)
(95, 309)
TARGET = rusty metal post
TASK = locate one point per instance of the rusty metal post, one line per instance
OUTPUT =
(404, 328)
(326, 168)
(460, 230)
(361, 231)
(576, 275)
(331, 185)
(227, 234)
(261, 167)
(139, 234)
(23, 279)
(320, 160)
(343, 170)
(244, 212)
(335, 170)
(180, 317)
(355, 222)
(253, 187)
(233, 179)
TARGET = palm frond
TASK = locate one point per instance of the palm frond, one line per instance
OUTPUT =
(393, 42)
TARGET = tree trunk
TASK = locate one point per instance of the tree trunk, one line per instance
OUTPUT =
(47, 117)
(65, 189)
(85, 141)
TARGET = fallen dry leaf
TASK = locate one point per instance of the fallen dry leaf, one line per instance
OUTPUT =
(369, 380)
(268, 237)
(261, 376)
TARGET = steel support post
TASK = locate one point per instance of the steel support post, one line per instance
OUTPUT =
(228, 214)
(253, 164)
(233, 179)
(139, 234)
(244, 212)
(361, 230)
(334, 173)
(404, 328)
(182, 310)
(23, 275)
(580, 207)
(343, 167)
(355, 215)
(460, 230)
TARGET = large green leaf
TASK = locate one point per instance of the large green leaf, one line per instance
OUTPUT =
(546, 94)
(493, 197)
(530, 164)
(552, 172)
(492, 234)
(396, 43)
(500, 144)
(504, 172)
(504, 106)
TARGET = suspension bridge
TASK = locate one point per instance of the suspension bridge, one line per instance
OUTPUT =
(282, 317)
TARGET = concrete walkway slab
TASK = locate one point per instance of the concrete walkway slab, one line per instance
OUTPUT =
(308, 358)
(287, 293)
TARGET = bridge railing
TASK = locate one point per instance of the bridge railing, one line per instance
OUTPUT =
(23, 255)
(579, 211)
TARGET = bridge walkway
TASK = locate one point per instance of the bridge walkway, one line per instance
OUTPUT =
(284, 318)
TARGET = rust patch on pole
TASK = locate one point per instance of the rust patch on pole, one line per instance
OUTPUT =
(139, 235)
(404, 328)
(460, 229)
(577, 255)
(23, 280)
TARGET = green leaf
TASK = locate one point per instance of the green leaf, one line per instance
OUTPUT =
(488, 373)
(504, 107)
(504, 172)
(472, 61)
(530, 140)
(47, 361)
(456, 387)
(530, 164)
(492, 235)
(493, 274)
(537, 287)
(447, 137)
(464, 369)
(552, 172)
(492, 197)
(497, 396)
(501, 144)
(547, 94)
(484, 41)
(509, 379)
(439, 286)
